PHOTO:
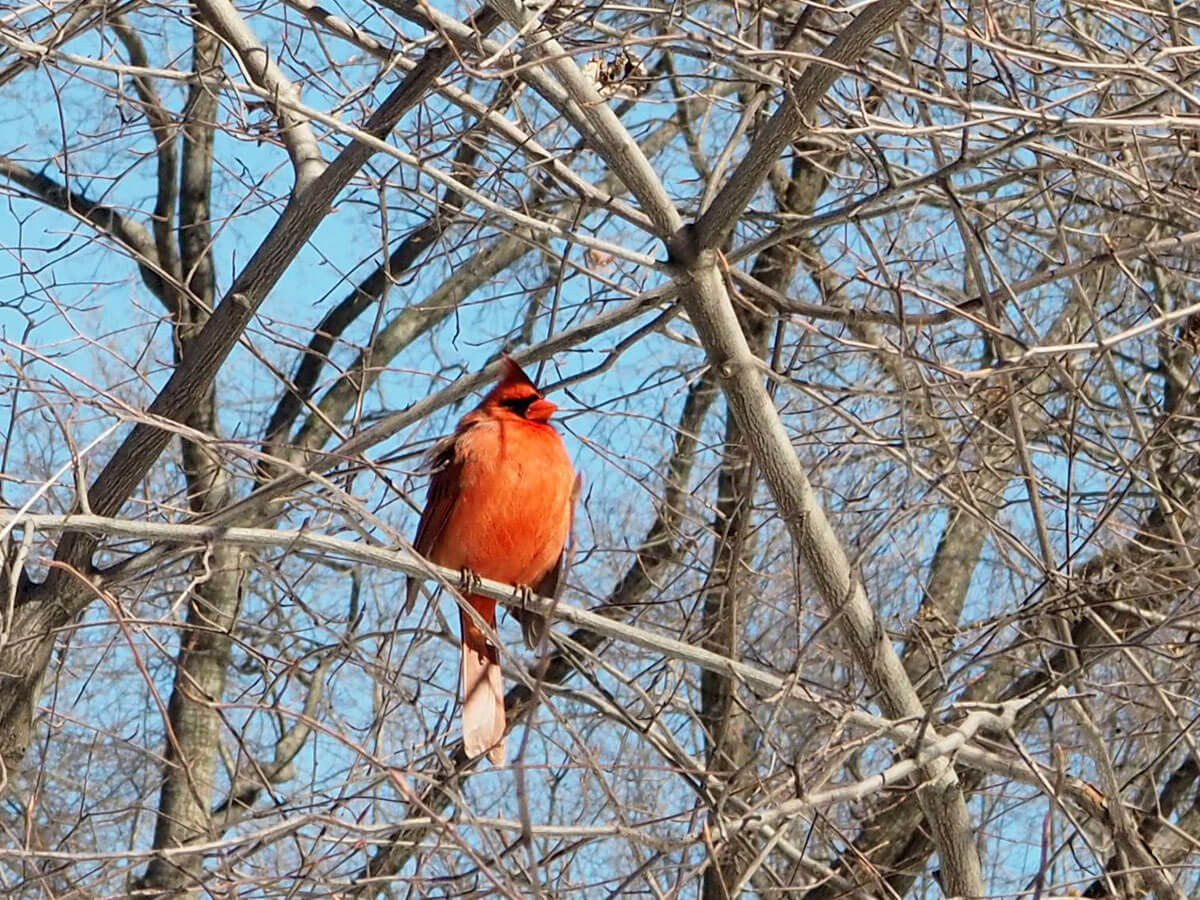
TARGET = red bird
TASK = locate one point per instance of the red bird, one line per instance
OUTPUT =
(499, 506)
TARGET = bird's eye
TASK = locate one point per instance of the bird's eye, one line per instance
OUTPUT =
(519, 405)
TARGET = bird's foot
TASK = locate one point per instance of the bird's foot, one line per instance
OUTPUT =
(524, 595)
(468, 581)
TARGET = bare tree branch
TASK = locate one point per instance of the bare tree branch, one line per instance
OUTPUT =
(108, 221)
(295, 131)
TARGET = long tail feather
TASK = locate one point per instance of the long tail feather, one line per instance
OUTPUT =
(482, 687)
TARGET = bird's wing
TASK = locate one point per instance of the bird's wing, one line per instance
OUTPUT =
(533, 626)
(439, 503)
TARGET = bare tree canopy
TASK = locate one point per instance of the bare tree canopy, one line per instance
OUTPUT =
(871, 332)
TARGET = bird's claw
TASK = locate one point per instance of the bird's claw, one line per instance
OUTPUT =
(524, 595)
(468, 581)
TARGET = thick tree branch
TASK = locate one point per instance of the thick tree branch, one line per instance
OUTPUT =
(726, 601)
(707, 302)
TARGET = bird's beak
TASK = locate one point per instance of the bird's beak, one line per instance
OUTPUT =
(540, 410)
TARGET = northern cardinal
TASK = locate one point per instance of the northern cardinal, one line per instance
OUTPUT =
(499, 506)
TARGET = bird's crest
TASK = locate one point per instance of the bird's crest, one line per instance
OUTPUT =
(513, 384)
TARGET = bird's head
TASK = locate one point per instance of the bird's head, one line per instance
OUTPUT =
(515, 393)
